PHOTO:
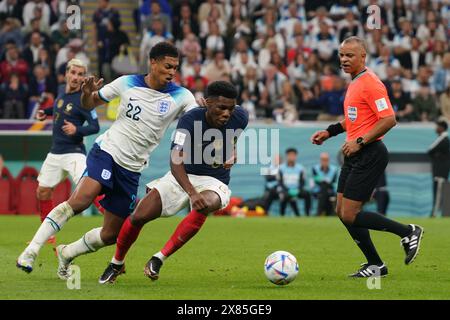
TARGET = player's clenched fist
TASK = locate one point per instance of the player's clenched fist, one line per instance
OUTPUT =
(319, 137)
(198, 202)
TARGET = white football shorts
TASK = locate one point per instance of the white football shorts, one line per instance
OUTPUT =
(56, 167)
(174, 198)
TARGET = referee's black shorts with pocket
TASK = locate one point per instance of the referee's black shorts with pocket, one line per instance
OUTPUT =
(361, 172)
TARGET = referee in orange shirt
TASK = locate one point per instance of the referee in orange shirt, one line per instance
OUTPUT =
(368, 117)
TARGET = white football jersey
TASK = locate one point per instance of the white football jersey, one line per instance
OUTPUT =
(142, 118)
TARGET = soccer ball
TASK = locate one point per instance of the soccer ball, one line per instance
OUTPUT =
(281, 267)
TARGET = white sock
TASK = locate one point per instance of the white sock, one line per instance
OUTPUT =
(113, 260)
(90, 242)
(54, 222)
(160, 256)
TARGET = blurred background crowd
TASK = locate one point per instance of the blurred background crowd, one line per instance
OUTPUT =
(281, 54)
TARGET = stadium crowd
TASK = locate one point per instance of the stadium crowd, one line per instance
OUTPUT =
(281, 54)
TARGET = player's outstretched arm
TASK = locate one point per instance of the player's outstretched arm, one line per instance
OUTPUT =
(89, 93)
(177, 168)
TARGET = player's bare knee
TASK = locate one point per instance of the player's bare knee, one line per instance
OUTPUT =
(44, 193)
(348, 216)
(138, 220)
(108, 237)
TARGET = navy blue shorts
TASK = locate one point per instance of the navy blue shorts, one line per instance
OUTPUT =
(120, 185)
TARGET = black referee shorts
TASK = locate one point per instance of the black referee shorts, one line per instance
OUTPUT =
(361, 172)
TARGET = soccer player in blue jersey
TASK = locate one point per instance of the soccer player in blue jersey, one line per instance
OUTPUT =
(199, 176)
(68, 153)
(148, 104)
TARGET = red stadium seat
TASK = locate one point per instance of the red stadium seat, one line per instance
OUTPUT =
(62, 192)
(27, 184)
(7, 193)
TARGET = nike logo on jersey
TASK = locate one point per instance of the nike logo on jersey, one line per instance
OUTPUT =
(131, 99)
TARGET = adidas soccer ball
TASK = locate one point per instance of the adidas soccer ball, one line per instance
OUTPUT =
(281, 267)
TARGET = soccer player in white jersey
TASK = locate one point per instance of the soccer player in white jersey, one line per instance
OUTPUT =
(148, 104)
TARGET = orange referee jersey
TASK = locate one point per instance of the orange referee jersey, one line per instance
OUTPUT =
(366, 101)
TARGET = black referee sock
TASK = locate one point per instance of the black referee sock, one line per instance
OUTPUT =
(362, 238)
(376, 221)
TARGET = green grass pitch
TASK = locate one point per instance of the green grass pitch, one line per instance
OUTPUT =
(225, 261)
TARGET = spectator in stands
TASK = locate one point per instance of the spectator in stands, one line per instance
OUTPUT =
(273, 86)
(214, 18)
(444, 102)
(424, 105)
(324, 176)
(13, 97)
(401, 102)
(155, 14)
(332, 102)
(36, 26)
(415, 58)
(431, 32)
(61, 36)
(198, 89)
(292, 184)
(214, 41)
(102, 16)
(239, 25)
(439, 152)
(441, 78)
(402, 40)
(253, 86)
(321, 16)
(114, 39)
(185, 18)
(61, 71)
(188, 64)
(271, 186)
(286, 24)
(10, 33)
(76, 46)
(43, 89)
(339, 11)
(297, 45)
(385, 59)
(218, 68)
(155, 35)
(10, 9)
(37, 9)
(31, 52)
(241, 48)
(194, 75)
(191, 45)
(248, 104)
(349, 27)
(399, 10)
(205, 9)
(13, 64)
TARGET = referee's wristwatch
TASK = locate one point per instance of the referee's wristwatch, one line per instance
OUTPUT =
(360, 141)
